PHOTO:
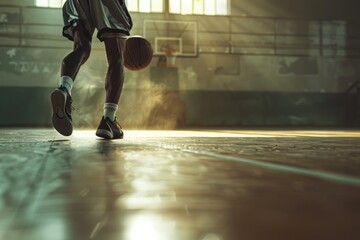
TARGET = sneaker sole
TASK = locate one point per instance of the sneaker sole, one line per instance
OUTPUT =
(61, 122)
(104, 134)
(121, 136)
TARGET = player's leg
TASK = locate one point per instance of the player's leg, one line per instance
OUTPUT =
(114, 81)
(80, 53)
(113, 22)
(115, 74)
(61, 97)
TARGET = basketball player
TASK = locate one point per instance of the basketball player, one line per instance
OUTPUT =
(113, 22)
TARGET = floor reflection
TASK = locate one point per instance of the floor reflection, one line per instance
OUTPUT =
(156, 185)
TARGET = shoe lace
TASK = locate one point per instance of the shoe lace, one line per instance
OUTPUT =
(117, 123)
(69, 108)
(69, 105)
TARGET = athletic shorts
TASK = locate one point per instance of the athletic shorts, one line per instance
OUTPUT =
(110, 17)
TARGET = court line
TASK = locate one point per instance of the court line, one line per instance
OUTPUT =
(329, 176)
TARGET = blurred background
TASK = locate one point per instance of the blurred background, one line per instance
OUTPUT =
(217, 63)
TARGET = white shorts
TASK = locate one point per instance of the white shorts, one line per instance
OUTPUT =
(109, 17)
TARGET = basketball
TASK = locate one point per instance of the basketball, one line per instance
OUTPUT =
(138, 53)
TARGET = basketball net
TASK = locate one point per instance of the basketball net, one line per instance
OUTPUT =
(171, 55)
(172, 58)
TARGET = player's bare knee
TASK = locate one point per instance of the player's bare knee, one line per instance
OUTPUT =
(82, 45)
(84, 51)
(116, 63)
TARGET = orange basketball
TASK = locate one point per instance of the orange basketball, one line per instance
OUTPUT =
(138, 53)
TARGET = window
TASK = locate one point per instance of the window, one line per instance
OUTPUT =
(49, 3)
(149, 6)
(133, 5)
(205, 7)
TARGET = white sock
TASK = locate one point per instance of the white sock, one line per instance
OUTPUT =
(110, 110)
(66, 82)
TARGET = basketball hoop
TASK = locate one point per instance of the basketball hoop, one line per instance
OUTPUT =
(169, 56)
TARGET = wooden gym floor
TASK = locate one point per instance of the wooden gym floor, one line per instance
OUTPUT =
(180, 185)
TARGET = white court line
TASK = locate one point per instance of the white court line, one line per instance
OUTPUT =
(329, 176)
(334, 177)
(324, 175)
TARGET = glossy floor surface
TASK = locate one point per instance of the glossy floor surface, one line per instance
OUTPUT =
(180, 185)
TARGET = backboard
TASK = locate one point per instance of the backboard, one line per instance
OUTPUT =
(172, 38)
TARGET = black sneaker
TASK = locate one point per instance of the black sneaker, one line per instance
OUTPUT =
(109, 129)
(61, 104)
